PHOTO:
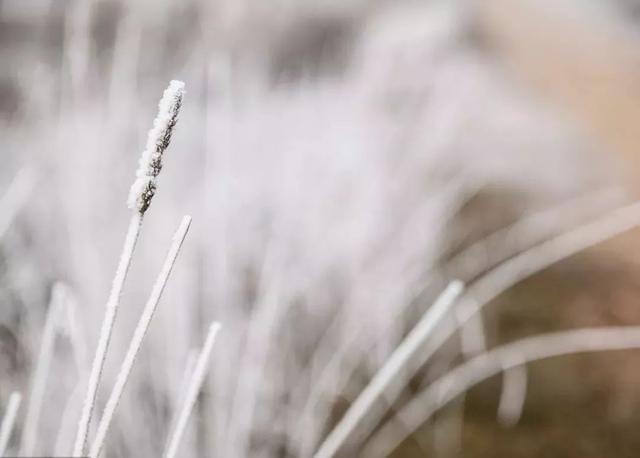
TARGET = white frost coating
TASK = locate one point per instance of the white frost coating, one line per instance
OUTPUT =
(158, 139)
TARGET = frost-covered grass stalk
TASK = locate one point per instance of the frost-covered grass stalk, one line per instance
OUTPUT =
(140, 196)
(8, 420)
(138, 336)
(189, 401)
(391, 369)
(39, 381)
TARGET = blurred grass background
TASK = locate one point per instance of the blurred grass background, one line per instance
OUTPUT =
(334, 155)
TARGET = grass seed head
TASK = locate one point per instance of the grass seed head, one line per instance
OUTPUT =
(144, 187)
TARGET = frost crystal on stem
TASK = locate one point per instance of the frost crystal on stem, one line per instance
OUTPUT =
(144, 188)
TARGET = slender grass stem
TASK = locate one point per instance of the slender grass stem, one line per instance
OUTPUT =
(111, 311)
(8, 420)
(197, 378)
(138, 336)
(39, 381)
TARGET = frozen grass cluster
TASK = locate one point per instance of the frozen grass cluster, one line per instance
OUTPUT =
(329, 234)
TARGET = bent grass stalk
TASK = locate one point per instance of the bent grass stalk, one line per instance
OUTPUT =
(486, 365)
(138, 336)
(521, 266)
(514, 238)
(142, 191)
(8, 420)
(511, 239)
(380, 382)
(191, 396)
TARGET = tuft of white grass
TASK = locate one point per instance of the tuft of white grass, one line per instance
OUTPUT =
(144, 187)
(8, 420)
(195, 384)
(138, 336)
(392, 367)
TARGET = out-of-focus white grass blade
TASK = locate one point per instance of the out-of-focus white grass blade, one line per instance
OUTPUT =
(365, 401)
(192, 359)
(39, 380)
(448, 430)
(64, 439)
(531, 229)
(138, 336)
(543, 255)
(513, 394)
(72, 329)
(488, 364)
(197, 378)
(334, 374)
(74, 332)
(265, 316)
(106, 331)
(472, 336)
(15, 198)
(8, 420)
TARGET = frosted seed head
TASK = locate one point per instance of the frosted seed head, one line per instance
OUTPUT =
(158, 139)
